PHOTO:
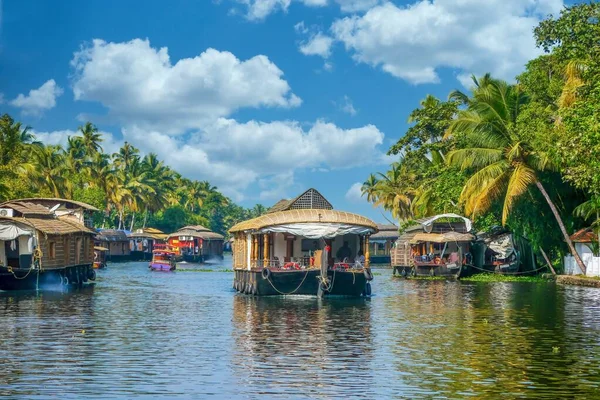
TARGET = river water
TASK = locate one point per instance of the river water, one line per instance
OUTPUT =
(142, 334)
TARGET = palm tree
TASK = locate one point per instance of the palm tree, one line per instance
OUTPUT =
(126, 156)
(90, 139)
(393, 191)
(13, 139)
(162, 180)
(507, 164)
(47, 170)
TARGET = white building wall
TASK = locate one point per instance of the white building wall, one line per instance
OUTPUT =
(280, 246)
(591, 263)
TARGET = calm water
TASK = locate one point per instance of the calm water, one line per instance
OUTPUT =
(139, 334)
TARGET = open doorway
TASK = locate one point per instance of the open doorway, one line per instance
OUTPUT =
(11, 249)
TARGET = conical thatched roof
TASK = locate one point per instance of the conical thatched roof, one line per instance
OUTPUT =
(303, 216)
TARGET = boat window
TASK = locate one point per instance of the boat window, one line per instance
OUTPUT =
(52, 250)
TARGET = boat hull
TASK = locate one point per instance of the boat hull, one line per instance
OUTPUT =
(161, 267)
(25, 279)
(433, 271)
(298, 282)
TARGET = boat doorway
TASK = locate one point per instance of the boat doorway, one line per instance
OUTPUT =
(11, 249)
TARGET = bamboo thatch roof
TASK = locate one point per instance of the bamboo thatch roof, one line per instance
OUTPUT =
(386, 232)
(151, 233)
(51, 201)
(197, 231)
(442, 237)
(303, 216)
(51, 226)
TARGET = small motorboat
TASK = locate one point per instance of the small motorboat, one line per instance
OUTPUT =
(163, 259)
(100, 257)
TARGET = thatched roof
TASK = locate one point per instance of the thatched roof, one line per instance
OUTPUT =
(151, 233)
(49, 202)
(112, 235)
(51, 226)
(197, 231)
(442, 237)
(303, 216)
(310, 199)
(386, 232)
(26, 208)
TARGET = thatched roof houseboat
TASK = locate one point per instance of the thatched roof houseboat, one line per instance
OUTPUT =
(303, 246)
(45, 242)
(382, 242)
(142, 241)
(117, 243)
(195, 243)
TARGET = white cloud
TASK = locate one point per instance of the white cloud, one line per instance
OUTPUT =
(109, 143)
(472, 36)
(223, 154)
(260, 9)
(346, 106)
(38, 100)
(317, 45)
(350, 6)
(140, 86)
(354, 194)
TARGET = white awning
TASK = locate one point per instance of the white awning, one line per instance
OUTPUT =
(10, 230)
(428, 224)
(318, 230)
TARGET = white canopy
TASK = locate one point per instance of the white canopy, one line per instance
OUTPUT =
(10, 230)
(502, 245)
(318, 230)
(428, 224)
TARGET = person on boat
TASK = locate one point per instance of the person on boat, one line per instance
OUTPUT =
(343, 252)
(360, 259)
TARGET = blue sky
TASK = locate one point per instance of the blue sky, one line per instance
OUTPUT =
(263, 98)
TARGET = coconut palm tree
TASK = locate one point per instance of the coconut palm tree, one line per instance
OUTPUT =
(90, 139)
(162, 179)
(506, 163)
(590, 211)
(13, 139)
(47, 170)
(126, 156)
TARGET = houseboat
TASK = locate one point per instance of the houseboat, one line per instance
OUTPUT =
(197, 244)
(117, 243)
(142, 241)
(381, 244)
(303, 247)
(435, 246)
(45, 243)
(500, 251)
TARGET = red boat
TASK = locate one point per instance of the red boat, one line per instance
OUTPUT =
(163, 259)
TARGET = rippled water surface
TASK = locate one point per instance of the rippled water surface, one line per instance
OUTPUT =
(141, 334)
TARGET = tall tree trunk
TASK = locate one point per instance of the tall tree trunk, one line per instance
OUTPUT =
(132, 221)
(580, 263)
(547, 261)
(120, 219)
(145, 217)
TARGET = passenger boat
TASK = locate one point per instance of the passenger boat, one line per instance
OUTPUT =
(45, 243)
(100, 257)
(435, 248)
(163, 259)
(303, 247)
(196, 244)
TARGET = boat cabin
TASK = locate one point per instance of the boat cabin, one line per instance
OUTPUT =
(34, 238)
(117, 243)
(381, 244)
(142, 241)
(500, 251)
(303, 235)
(435, 246)
(195, 243)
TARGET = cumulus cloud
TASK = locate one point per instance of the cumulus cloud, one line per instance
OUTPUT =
(222, 152)
(109, 144)
(140, 86)
(317, 45)
(471, 36)
(354, 194)
(345, 105)
(351, 6)
(38, 100)
(257, 10)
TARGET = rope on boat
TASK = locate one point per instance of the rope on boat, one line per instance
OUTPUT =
(293, 291)
(15, 275)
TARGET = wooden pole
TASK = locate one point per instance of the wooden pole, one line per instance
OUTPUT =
(367, 255)
(266, 250)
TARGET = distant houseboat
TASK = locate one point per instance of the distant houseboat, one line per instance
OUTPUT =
(163, 259)
(381, 244)
(116, 242)
(195, 243)
(100, 257)
(142, 241)
(303, 247)
(44, 242)
(435, 248)
(502, 252)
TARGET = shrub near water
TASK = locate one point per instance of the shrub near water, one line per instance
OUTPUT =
(502, 278)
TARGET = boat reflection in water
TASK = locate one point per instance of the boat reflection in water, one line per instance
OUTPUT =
(300, 346)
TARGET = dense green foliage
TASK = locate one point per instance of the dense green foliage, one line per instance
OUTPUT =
(133, 191)
(524, 155)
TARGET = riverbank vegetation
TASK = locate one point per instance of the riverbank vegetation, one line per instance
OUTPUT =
(132, 190)
(523, 154)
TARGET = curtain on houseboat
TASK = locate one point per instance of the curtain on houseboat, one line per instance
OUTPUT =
(11, 231)
(318, 230)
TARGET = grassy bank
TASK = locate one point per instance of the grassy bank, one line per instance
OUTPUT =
(485, 277)
(578, 280)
